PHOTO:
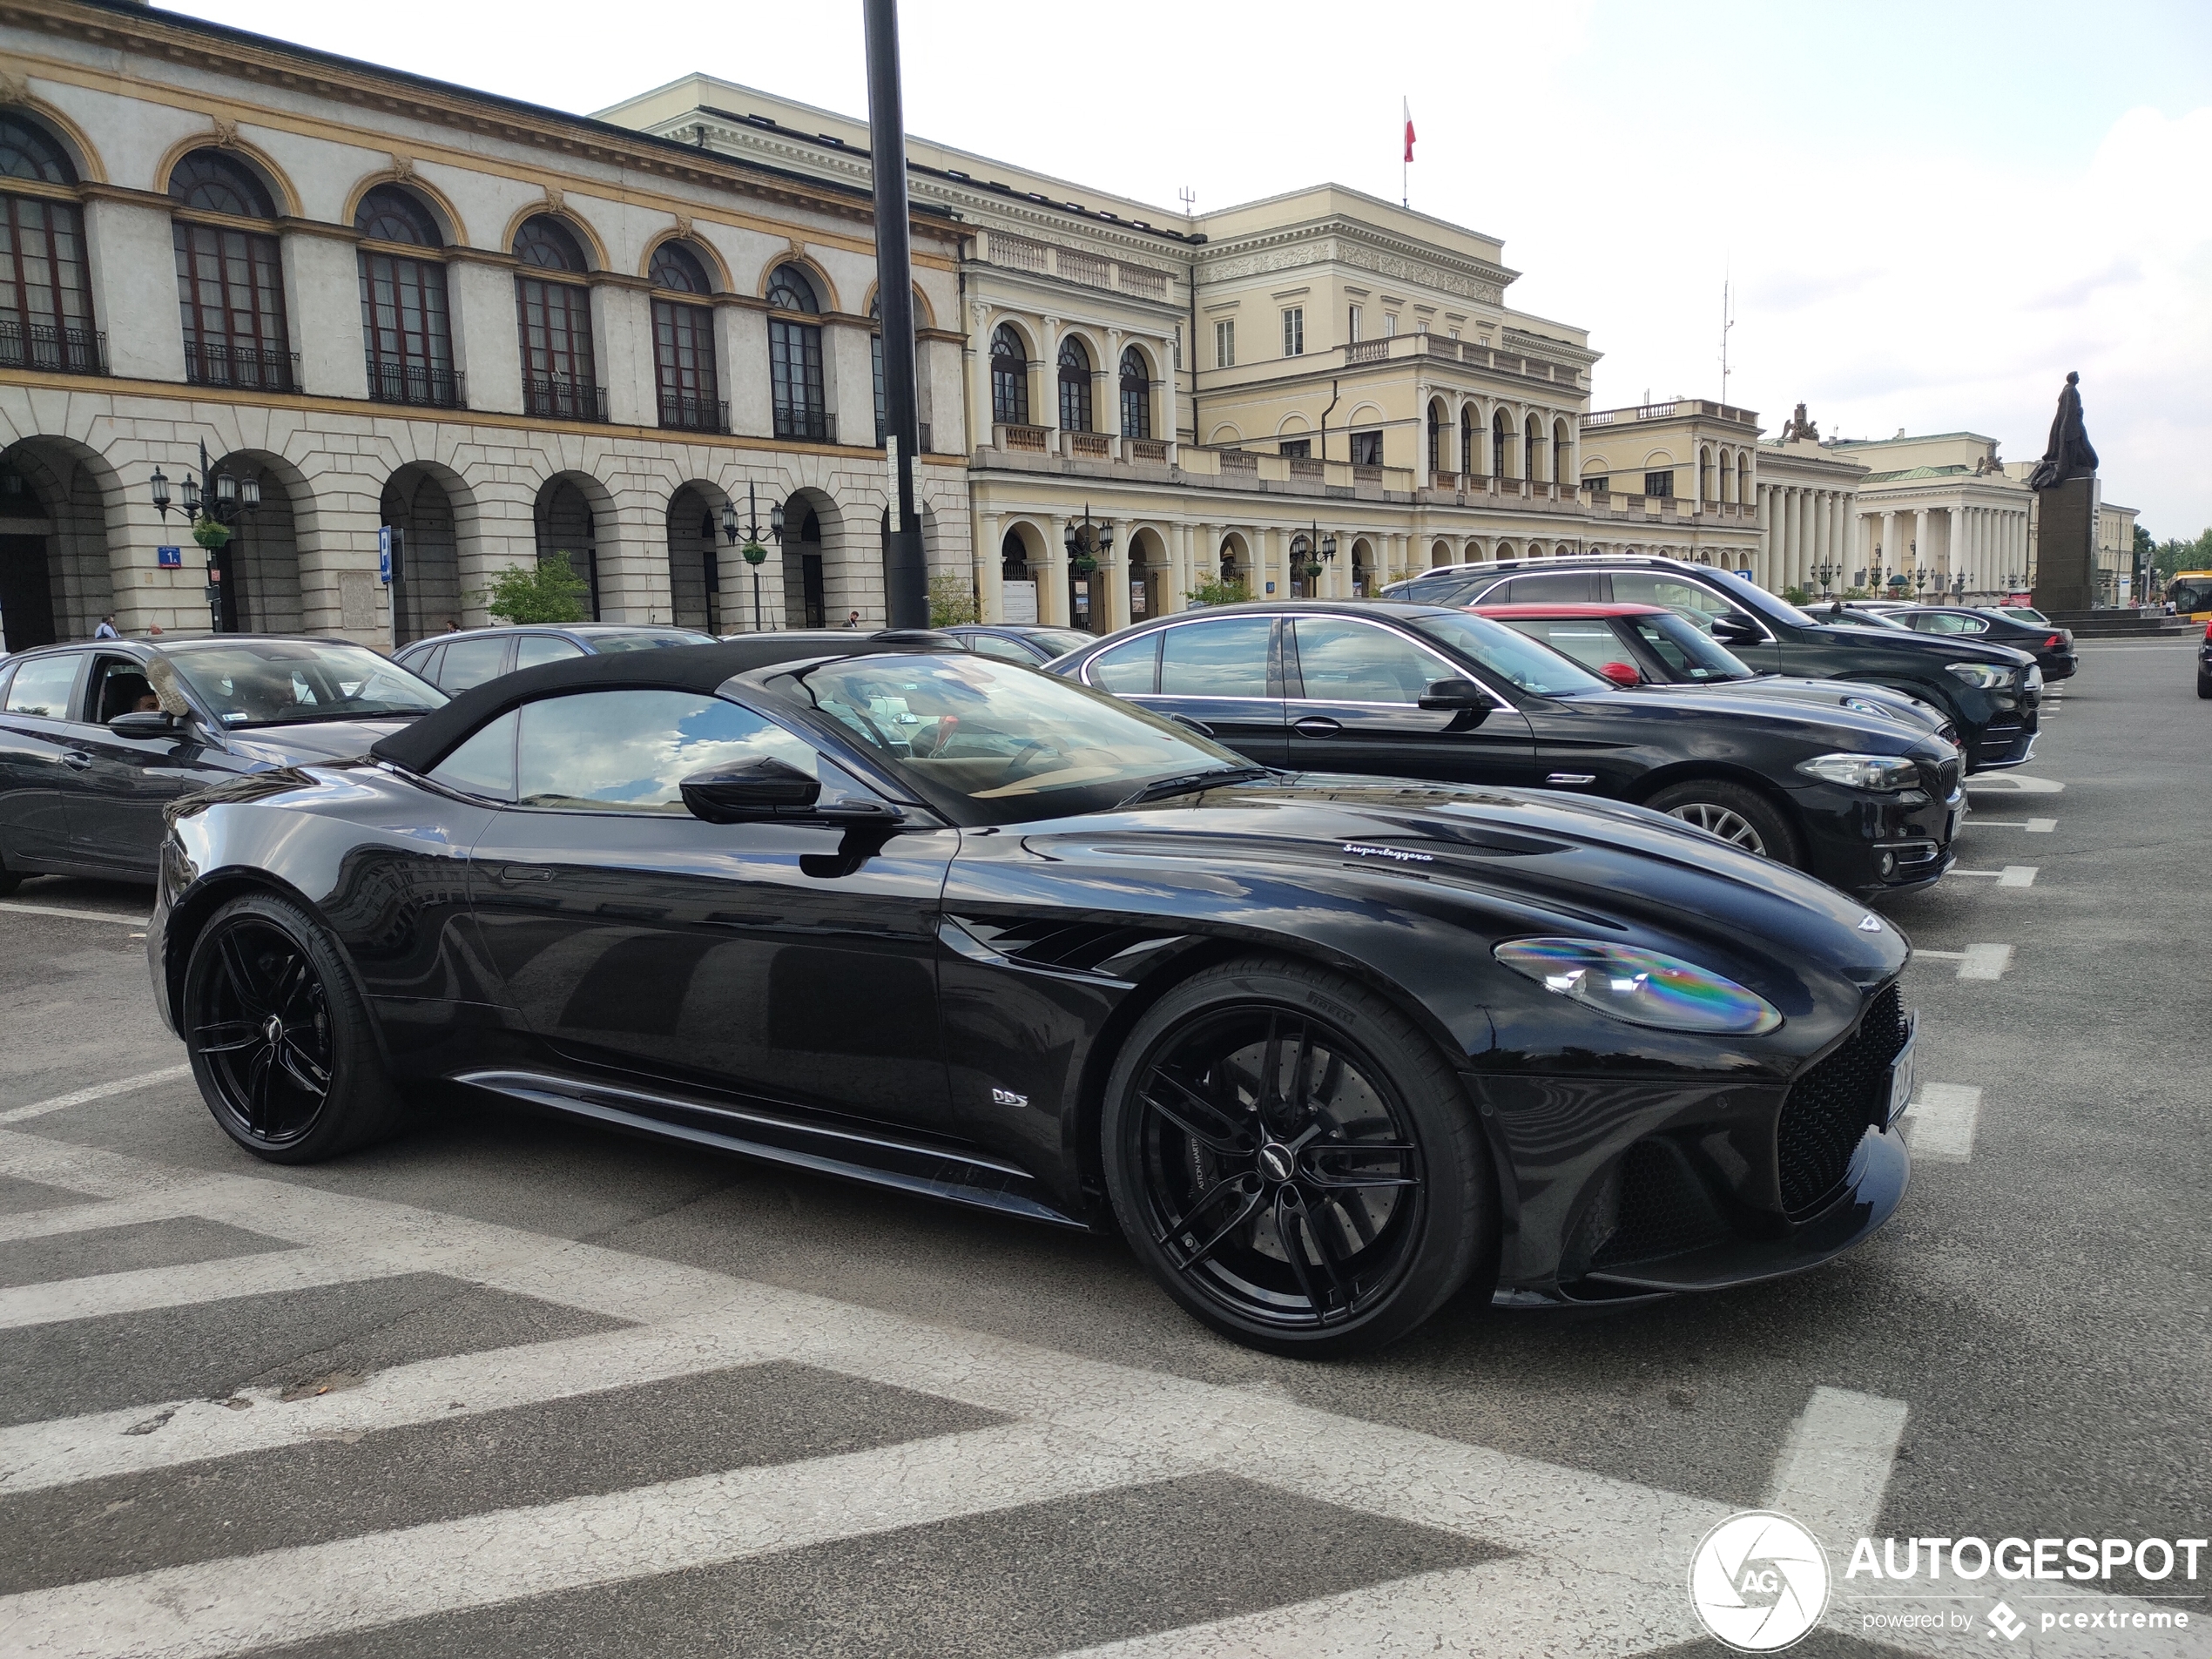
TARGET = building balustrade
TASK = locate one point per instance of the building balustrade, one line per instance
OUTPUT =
(682, 414)
(215, 362)
(1077, 265)
(417, 383)
(1391, 347)
(41, 345)
(550, 397)
(806, 426)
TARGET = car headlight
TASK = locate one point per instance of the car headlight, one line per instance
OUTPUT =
(1987, 676)
(2031, 676)
(1885, 773)
(1641, 987)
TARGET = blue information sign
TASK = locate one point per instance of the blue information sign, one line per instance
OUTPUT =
(384, 555)
(168, 558)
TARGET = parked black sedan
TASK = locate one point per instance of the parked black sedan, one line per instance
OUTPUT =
(1327, 1050)
(1991, 692)
(453, 662)
(1862, 801)
(1018, 642)
(2051, 645)
(97, 738)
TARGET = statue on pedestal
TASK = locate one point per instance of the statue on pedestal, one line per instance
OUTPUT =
(1797, 426)
(2068, 454)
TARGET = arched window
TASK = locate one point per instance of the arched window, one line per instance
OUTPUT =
(1500, 439)
(1009, 378)
(1075, 386)
(1562, 467)
(560, 371)
(1532, 437)
(1437, 422)
(1136, 395)
(45, 284)
(1468, 446)
(230, 277)
(683, 363)
(795, 357)
(405, 320)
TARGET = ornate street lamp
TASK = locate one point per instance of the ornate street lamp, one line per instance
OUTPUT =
(750, 533)
(1825, 573)
(1310, 550)
(1920, 580)
(213, 501)
(1089, 546)
(1959, 588)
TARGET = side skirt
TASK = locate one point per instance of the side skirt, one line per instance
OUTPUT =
(928, 1172)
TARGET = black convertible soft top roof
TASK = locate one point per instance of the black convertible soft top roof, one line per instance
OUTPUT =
(425, 742)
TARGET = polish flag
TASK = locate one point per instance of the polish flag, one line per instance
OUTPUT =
(1409, 129)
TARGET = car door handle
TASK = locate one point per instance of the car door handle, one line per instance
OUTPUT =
(525, 872)
(77, 761)
(1316, 726)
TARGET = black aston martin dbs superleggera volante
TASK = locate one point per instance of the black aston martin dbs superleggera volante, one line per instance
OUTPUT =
(1327, 1049)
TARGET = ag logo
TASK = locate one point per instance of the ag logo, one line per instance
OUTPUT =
(1759, 1581)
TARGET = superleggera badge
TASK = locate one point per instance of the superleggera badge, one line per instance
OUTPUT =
(1397, 852)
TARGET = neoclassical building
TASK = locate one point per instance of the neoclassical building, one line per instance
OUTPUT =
(1945, 504)
(381, 300)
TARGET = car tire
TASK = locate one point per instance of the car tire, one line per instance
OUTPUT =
(1210, 1172)
(8, 880)
(278, 1037)
(2204, 689)
(1734, 814)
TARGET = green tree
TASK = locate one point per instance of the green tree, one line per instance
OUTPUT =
(550, 591)
(2176, 555)
(1217, 592)
(951, 600)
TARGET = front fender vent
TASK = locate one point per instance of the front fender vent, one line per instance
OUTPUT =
(1110, 950)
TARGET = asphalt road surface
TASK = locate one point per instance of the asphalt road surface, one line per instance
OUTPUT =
(508, 1386)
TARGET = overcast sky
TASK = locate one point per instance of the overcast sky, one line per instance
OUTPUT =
(1929, 212)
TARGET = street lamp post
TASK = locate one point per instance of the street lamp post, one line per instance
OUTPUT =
(1920, 580)
(1089, 546)
(1311, 550)
(1824, 574)
(213, 501)
(750, 533)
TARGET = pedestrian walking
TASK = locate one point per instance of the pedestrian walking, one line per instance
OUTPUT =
(853, 619)
(107, 630)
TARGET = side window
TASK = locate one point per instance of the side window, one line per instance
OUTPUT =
(422, 664)
(1005, 651)
(1553, 588)
(1131, 670)
(41, 686)
(627, 751)
(119, 686)
(1354, 662)
(1685, 599)
(1224, 659)
(471, 662)
(1591, 644)
(533, 648)
(485, 763)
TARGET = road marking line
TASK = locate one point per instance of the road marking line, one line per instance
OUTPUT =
(1939, 1125)
(1835, 1465)
(1976, 961)
(144, 1289)
(2033, 826)
(353, 1584)
(96, 1091)
(2014, 783)
(2013, 875)
(80, 915)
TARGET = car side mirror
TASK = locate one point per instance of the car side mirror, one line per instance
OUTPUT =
(1738, 630)
(749, 792)
(147, 723)
(1457, 696)
(1623, 675)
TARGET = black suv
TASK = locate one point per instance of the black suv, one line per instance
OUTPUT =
(1991, 692)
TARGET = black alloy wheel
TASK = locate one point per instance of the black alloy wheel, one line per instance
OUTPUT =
(1294, 1161)
(277, 1036)
(1734, 814)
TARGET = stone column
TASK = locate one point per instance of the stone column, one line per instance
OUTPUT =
(1888, 548)
(1919, 539)
(1109, 582)
(1047, 414)
(990, 576)
(1178, 576)
(1052, 605)
(978, 350)
(1824, 539)
(1766, 540)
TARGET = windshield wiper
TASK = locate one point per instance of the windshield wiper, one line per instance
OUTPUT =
(1161, 788)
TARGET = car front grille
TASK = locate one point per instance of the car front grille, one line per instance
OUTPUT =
(1939, 780)
(1829, 1108)
(1662, 1207)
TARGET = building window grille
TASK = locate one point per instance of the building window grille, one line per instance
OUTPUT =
(230, 277)
(795, 383)
(560, 370)
(406, 320)
(1225, 344)
(1075, 386)
(1009, 378)
(1136, 395)
(683, 363)
(1294, 331)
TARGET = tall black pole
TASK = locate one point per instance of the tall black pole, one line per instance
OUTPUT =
(906, 575)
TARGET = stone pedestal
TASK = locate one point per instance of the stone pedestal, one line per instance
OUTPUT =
(2066, 545)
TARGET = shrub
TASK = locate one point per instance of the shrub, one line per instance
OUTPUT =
(550, 591)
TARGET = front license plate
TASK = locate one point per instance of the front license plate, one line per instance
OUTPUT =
(1904, 1079)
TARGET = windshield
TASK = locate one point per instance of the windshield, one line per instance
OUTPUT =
(1692, 654)
(1535, 669)
(2192, 591)
(991, 742)
(271, 682)
(604, 643)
